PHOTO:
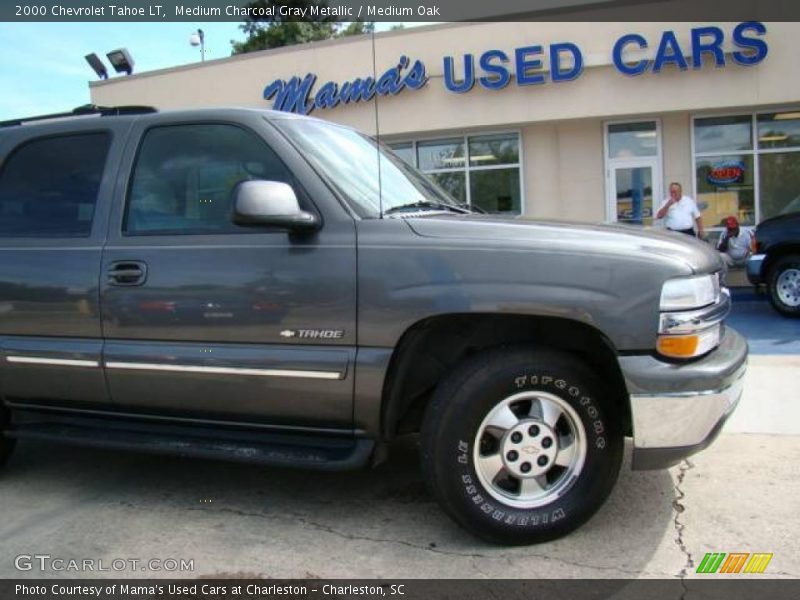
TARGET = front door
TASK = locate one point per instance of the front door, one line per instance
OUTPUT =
(202, 318)
(634, 191)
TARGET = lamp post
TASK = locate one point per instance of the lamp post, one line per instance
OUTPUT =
(198, 39)
(97, 64)
(121, 60)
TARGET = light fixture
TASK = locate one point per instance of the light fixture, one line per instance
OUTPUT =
(97, 64)
(121, 60)
(774, 138)
(786, 116)
(198, 39)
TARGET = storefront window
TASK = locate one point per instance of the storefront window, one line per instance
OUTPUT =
(779, 130)
(479, 170)
(441, 154)
(488, 150)
(454, 184)
(779, 172)
(780, 183)
(495, 190)
(747, 166)
(404, 151)
(725, 188)
(723, 134)
(626, 140)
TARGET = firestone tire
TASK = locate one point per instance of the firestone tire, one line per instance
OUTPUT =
(502, 409)
(784, 286)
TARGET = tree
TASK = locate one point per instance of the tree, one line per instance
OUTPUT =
(268, 29)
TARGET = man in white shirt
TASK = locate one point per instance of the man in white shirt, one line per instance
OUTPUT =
(734, 243)
(680, 213)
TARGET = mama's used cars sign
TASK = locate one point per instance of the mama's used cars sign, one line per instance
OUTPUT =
(527, 65)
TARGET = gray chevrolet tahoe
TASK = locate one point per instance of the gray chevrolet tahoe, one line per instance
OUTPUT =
(263, 287)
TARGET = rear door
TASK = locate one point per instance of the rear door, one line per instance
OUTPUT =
(55, 192)
(202, 318)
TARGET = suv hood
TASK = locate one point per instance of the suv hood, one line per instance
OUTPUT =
(572, 238)
(787, 219)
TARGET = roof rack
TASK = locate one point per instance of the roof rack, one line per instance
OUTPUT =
(86, 109)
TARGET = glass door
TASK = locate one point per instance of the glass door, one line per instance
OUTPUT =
(634, 191)
(633, 168)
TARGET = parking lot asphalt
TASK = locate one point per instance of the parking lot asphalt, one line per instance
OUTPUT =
(740, 495)
(765, 330)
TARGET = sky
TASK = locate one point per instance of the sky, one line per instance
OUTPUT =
(42, 65)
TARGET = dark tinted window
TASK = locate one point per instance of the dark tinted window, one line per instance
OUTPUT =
(184, 175)
(48, 187)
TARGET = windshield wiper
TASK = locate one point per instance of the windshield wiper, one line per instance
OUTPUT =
(473, 208)
(425, 204)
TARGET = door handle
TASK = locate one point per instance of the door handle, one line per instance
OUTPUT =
(128, 272)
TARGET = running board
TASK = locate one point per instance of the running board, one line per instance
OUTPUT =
(273, 449)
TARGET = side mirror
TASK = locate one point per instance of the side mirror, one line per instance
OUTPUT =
(270, 203)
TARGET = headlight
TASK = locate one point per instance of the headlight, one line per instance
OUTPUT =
(690, 292)
(692, 310)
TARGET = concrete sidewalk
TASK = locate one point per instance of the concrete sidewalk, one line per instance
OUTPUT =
(771, 399)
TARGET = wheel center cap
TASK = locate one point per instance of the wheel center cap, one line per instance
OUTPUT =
(529, 449)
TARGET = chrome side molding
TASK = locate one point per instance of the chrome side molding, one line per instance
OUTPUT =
(226, 370)
(56, 362)
(64, 362)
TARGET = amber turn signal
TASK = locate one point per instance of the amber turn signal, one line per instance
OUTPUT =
(678, 346)
(689, 345)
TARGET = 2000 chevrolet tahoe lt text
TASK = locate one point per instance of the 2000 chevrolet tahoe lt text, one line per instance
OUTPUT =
(264, 287)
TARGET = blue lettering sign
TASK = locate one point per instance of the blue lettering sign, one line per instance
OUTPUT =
(635, 69)
(495, 70)
(758, 47)
(358, 90)
(525, 64)
(559, 74)
(415, 78)
(713, 47)
(295, 95)
(327, 96)
(292, 95)
(669, 52)
(465, 84)
(498, 77)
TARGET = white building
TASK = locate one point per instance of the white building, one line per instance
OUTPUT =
(553, 124)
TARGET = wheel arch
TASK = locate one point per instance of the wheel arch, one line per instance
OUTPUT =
(777, 252)
(431, 347)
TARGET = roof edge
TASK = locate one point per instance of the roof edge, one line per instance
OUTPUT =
(277, 51)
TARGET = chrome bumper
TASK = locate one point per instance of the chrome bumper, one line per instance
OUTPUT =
(671, 425)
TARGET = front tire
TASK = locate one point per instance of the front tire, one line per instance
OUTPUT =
(519, 446)
(784, 286)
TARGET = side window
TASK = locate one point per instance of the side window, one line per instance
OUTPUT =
(48, 186)
(184, 175)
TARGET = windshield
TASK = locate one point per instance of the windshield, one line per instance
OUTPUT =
(349, 160)
(792, 207)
